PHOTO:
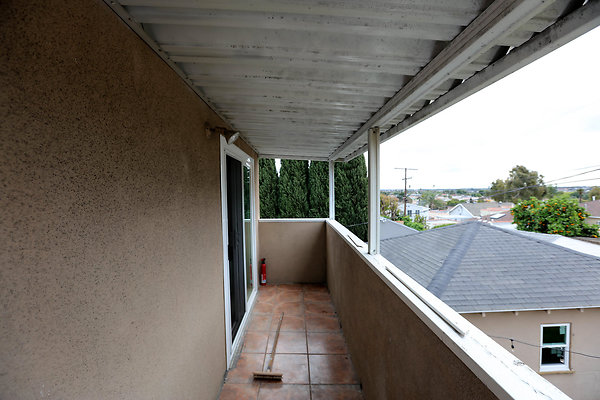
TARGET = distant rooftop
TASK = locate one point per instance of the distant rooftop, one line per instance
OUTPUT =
(593, 207)
(475, 267)
(392, 229)
(476, 208)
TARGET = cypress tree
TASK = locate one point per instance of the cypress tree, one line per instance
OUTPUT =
(293, 189)
(318, 189)
(268, 188)
(351, 196)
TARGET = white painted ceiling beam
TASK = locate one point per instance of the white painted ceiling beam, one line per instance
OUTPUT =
(498, 20)
(267, 101)
(396, 68)
(394, 26)
(289, 88)
(451, 12)
(317, 43)
(292, 157)
(210, 49)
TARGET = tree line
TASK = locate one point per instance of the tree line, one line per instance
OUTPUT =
(301, 190)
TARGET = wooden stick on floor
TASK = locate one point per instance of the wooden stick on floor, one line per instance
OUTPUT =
(268, 373)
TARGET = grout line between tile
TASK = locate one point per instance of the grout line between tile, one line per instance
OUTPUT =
(306, 337)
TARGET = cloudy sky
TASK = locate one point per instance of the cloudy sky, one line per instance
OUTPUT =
(545, 116)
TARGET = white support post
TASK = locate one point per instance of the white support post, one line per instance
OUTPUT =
(331, 191)
(374, 190)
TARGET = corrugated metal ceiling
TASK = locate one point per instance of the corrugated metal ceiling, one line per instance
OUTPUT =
(306, 78)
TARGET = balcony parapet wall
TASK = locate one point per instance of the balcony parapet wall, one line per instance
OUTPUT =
(294, 248)
(406, 343)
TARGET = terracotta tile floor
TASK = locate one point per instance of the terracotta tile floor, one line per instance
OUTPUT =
(311, 351)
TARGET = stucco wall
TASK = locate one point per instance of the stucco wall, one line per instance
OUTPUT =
(396, 355)
(584, 381)
(111, 255)
(295, 250)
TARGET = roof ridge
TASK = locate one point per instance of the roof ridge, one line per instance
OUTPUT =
(519, 233)
(452, 226)
(443, 276)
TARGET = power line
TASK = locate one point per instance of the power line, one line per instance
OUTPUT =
(591, 166)
(582, 180)
(362, 223)
(539, 185)
(571, 176)
(538, 346)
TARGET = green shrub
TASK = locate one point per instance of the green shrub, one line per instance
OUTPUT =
(559, 215)
(418, 223)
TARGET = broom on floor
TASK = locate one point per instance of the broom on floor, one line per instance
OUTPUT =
(268, 373)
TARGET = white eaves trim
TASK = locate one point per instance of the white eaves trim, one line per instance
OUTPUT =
(562, 32)
(504, 374)
(498, 20)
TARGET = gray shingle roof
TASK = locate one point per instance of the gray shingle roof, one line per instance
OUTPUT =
(390, 229)
(475, 267)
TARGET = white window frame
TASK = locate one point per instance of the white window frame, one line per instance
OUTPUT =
(567, 346)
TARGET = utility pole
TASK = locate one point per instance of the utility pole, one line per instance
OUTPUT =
(406, 179)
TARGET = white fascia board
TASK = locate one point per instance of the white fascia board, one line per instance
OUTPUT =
(560, 33)
(497, 21)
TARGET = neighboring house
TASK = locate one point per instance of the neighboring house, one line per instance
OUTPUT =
(478, 210)
(391, 229)
(413, 210)
(497, 215)
(414, 197)
(592, 207)
(515, 286)
(439, 217)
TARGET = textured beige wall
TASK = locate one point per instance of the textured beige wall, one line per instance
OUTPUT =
(584, 382)
(111, 255)
(395, 354)
(295, 250)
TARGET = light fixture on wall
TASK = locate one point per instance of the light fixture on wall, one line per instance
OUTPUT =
(229, 135)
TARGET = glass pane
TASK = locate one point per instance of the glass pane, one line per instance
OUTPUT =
(247, 232)
(553, 355)
(555, 335)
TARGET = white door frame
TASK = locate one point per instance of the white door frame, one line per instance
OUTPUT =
(232, 344)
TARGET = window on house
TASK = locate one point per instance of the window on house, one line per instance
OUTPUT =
(554, 351)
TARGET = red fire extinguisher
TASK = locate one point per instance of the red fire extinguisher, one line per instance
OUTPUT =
(263, 272)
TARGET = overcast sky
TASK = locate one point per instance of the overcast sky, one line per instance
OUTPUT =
(545, 116)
